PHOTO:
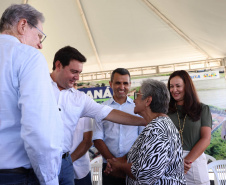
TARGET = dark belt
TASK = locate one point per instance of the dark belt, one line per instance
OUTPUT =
(65, 155)
(15, 170)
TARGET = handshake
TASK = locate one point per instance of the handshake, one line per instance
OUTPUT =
(117, 167)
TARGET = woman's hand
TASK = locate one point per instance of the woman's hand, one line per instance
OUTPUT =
(114, 168)
(187, 165)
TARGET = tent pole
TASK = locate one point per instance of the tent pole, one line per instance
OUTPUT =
(25, 1)
(89, 34)
(175, 28)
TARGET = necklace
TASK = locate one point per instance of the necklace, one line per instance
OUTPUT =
(181, 127)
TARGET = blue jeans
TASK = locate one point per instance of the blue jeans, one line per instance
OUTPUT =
(28, 178)
(66, 176)
(84, 181)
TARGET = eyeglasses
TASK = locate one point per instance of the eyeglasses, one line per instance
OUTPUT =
(135, 95)
(43, 36)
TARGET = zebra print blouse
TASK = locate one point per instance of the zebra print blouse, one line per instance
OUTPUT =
(156, 155)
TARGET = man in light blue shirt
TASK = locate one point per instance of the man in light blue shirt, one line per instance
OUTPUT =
(30, 124)
(111, 139)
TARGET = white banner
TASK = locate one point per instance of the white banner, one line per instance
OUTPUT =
(194, 76)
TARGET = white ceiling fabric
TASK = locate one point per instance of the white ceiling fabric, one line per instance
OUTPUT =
(128, 33)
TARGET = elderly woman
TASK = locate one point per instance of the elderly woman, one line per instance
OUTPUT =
(156, 155)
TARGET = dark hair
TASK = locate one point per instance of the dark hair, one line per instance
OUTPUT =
(121, 71)
(159, 93)
(192, 106)
(66, 54)
(15, 12)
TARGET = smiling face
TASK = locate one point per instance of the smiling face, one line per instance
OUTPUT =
(120, 85)
(68, 75)
(177, 89)
(139, 104)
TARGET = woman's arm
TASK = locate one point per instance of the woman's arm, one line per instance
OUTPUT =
(201, 145)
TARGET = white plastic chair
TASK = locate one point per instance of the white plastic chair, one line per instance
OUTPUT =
(209, 158)
(219, 169)
(96, 170)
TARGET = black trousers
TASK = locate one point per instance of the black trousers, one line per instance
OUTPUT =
(109, 180)
(22, 178)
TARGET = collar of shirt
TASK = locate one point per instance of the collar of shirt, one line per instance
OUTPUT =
(128, 100)
(55, 84)
(9, 37)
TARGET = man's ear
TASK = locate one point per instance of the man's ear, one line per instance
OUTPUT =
(22, 26)
(129, 85)
(58, 65)
(110, 83)
(148, 101)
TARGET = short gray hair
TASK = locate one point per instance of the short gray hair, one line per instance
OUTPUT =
(159, 93)
(15, 12)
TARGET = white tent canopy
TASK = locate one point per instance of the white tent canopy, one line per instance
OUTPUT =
(133, 33)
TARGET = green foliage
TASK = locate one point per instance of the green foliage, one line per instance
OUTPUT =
(136, 89)
(217, 147)
(151, 75)
(80, 84)
(222, 75)
(217, 110)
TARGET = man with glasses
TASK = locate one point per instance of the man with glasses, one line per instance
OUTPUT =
(111, 139)
(30, 124)
(41, 35)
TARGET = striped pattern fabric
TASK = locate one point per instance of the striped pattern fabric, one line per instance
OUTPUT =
(156, 155)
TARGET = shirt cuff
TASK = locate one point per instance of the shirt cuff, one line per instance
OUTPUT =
(97, 135)
(52, 182)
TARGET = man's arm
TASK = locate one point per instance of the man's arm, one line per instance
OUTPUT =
(83, 147)
(103, 112)
(103, 149)
(98, 140)
(124, 118)
(41, 126)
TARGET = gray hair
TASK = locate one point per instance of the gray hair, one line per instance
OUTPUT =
(159, 93)
(15, 12)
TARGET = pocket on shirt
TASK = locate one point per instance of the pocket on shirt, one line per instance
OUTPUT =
(72, 113)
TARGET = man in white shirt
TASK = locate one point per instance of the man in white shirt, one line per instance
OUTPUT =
(111, 139)
(30, 124)
(82, 141)
(73, 104)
